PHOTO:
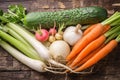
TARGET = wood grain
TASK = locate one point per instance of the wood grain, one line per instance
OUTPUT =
(106, 69)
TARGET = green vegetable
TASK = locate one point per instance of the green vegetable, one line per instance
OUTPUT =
(19, 45)
(86, 15)
(15, 13)
(32, 63)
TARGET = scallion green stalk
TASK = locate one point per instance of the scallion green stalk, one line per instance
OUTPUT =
(32, 63)
(15, 35)
(19, 45)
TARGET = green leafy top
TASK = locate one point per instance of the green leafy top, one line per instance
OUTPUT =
(15, 14)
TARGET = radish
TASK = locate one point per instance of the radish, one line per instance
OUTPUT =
(52, 38)
(59, 34)
(59, 50)
(42, 35)
(53, 31)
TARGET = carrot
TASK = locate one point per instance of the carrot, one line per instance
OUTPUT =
(89, 29)
(85, 59)
(90, 55)
(96, 32)
(102, 53)
(89, 48)
(94, 45)
(92, 35)
(106, 28)
(68, 63)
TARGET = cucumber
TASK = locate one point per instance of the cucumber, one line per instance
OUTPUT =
(86, 15)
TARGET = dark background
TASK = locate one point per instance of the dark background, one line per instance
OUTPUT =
(107, 69)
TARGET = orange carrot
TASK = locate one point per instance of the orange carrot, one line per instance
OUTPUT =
(68, 63)
(89, 48)
(89, 29)
(102, 53)
(106, 28)
(90, 55)
(83, 42)
(93, 45)
(85, 59)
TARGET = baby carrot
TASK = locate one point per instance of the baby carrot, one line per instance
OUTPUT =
(102, 53)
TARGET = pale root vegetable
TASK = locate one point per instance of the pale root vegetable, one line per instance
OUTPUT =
(72, 34)
(59, 50)
(52, 38)
(59, 36)
(46, 44)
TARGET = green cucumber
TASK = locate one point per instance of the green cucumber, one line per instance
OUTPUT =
(86, 15)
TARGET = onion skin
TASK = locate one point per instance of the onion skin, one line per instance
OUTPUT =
(71, 36)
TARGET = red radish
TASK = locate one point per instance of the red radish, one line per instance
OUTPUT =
(53, 31)
(42, 35)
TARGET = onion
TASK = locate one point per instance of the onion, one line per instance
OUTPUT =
(72, 34)
(59, 50)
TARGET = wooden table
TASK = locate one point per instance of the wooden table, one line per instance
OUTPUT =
(106, 69)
